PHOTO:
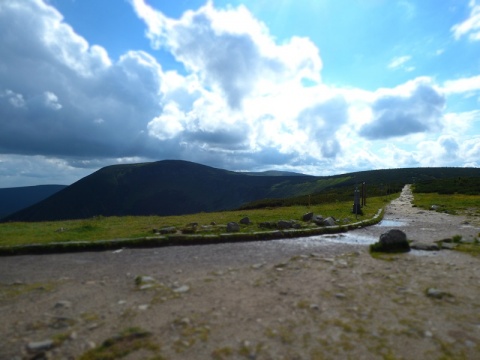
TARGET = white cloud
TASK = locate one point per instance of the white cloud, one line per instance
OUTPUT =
(230, 50)
(14, 99)
(399, 62)
(414, 107)
(51, 101)
(471, 26)
(462, 85)
(50, 67)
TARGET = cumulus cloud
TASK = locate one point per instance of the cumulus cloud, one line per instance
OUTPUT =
(462, 85)
(230, 49)
(471, 26)
(60, 89)
(412, 108)
(321, 123)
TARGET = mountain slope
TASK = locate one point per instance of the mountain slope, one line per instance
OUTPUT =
(167, 187)
(172, 187)
(17, 198)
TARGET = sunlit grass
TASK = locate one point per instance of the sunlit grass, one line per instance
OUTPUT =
(106, 228)
(453, 204)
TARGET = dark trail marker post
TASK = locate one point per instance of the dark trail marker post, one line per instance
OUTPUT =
(364, 194)
(356, 202)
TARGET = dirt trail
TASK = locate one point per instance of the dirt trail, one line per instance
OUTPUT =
(287, 299)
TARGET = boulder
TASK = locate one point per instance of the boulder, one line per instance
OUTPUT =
(330, 221)
(268, 225)
(245, 221)
(434, 207)
(233, 227)
(318, 220)
(307, 216)
(284, 224)
(168, 230)
(393, 241)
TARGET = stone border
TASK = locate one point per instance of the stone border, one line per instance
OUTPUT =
(182, 239)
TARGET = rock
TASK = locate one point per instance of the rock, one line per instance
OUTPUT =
(63, 304)
(168, 230)
(144, 282)
(245, 221)
(308, 216)
(182, 289)
(330, 221)
(233, 227)
(448, 246)
(392, 241)
(284, 224)
(39, 346)
(193, 224)
(267, 225)
(434, 207)
(258, 266)
(424, 246)
(213, 223)
(318, 220)
(437, 294)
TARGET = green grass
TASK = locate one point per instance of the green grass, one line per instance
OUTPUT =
(107, 228)
(453, 204)
(129, 341)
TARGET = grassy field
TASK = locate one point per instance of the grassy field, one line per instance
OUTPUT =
(106, 228)
(455, 204)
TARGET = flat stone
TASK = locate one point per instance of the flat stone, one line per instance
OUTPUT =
(437, 294)
(448, 246)
(258, 266)
(424, 246)
(39, 346)
(63, 304)
(182, 289)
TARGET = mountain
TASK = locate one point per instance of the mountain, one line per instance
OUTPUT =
(17, 198)
(168, 187)
(273, 173)
(173, 187)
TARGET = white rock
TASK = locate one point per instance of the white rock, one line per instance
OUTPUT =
(182, 289)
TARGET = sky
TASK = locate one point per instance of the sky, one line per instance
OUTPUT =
(320, 87)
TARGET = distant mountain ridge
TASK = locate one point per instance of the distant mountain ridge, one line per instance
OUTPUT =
(17, 198)
(174, 187)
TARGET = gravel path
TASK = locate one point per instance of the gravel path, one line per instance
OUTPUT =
(313, 298)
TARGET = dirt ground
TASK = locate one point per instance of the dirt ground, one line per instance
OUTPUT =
(322, 297)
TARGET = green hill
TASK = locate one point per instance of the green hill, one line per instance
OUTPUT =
(174, 187)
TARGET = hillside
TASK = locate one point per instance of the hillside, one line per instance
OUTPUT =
(172, 187)
(17, 198)
(162, 188)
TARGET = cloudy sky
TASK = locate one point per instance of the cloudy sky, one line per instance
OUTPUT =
(315, 86)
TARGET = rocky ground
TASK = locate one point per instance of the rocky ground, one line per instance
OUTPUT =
(315, 298)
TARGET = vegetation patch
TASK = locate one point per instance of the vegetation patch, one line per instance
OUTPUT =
(11, 291)
(455, 204)
(137, 231)
(117, 347)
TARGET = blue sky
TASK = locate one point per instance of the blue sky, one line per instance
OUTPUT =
(315, 86)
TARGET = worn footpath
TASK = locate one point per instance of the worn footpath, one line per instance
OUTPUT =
(311, 298)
